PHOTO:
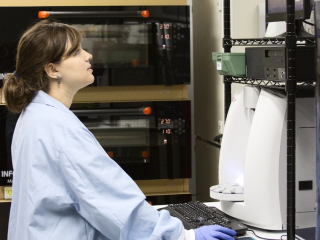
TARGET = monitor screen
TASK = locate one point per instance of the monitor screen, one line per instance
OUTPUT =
(276, 10)
(276, 6)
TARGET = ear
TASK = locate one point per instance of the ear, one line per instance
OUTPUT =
(51, 70)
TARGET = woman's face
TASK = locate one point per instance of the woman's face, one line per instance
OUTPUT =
(75, 71)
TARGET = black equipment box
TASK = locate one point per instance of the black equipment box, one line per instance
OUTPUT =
(269, 63)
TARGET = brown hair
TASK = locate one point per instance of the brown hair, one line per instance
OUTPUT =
(41, 44)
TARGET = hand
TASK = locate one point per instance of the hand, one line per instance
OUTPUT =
(214, 232)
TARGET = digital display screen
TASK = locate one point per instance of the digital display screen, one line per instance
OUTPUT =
(280, 6)
(165, 125)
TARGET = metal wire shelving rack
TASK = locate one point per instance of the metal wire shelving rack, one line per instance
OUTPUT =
(290, 41)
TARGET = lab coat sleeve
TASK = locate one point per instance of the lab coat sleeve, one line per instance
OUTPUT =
(187, 235)
(107, 197)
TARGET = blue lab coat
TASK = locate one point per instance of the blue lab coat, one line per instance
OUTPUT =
(65, 186)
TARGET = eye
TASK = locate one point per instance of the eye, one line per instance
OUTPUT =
(77, 52)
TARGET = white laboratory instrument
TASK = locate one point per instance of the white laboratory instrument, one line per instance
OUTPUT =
(252, 165)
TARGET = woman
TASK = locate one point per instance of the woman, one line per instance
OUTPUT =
(65, 186)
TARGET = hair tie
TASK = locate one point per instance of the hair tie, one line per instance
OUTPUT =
(15, 73)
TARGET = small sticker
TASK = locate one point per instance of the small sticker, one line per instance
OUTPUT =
(2, 94)
(8, 193)
(219, 67)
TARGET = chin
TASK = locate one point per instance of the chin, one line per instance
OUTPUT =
(91, 81)
(85, 84)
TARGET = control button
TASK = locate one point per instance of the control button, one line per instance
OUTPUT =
(134, 62)
(110, 154)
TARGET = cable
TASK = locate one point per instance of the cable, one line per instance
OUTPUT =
(281, 238)
(308, 23)
(249, 230)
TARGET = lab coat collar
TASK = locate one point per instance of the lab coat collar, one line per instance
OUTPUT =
(44, 98)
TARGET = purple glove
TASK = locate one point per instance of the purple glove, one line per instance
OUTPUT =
(214, 232)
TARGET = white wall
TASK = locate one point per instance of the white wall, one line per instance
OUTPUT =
(208, 91)
(208, 86)
(244, 18)
(245, 24)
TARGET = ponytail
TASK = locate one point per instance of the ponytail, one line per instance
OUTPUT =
(16, 94)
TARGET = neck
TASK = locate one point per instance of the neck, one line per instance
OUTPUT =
(63, 95)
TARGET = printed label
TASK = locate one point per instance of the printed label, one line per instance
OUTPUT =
(6, 173)
(8, 193)
(219, 66)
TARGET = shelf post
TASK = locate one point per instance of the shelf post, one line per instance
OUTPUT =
(291, 85)
(227, 48)
(317, 94)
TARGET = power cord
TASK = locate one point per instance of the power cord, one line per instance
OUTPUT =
(281, 238)
(308, 23)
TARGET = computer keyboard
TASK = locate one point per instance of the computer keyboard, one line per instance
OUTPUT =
(196, 214)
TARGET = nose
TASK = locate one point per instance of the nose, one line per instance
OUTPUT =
(88, 56)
